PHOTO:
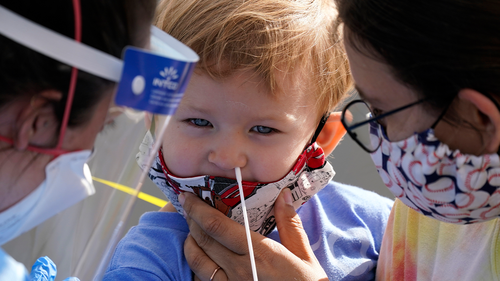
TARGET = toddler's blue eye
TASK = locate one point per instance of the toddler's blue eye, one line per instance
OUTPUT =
(200, 122)
(262, 129)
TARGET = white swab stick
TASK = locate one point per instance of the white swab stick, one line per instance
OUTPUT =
(247, 226)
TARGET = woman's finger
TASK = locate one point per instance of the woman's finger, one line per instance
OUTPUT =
(213, 224)
(200, 263)
(229, 249)
(206, 247)
(291, 231)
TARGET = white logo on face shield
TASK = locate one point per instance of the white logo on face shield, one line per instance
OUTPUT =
(138, 85)
(169, 74)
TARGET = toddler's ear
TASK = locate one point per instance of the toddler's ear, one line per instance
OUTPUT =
(331, 134)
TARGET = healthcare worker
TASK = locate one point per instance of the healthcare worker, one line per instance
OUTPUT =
(52, 111)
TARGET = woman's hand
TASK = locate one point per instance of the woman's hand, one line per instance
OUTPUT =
(216, 240)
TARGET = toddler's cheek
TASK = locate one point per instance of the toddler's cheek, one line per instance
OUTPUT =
(271, 171)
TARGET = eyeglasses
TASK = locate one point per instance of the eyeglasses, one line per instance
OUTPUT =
(357, 117)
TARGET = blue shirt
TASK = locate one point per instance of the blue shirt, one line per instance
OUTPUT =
(345, 225)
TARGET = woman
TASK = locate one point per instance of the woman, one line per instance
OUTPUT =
(428, 72)
(51, 112)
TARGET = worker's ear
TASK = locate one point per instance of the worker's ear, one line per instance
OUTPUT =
(36, 123)
(331, 134)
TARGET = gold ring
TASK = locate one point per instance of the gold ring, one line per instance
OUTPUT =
(213, 274)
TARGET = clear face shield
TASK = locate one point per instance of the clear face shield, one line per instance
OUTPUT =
(81, 238)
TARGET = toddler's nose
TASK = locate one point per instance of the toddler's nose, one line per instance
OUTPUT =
(228, 157)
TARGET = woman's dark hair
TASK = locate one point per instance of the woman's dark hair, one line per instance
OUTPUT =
(106, 25)
(435, 47)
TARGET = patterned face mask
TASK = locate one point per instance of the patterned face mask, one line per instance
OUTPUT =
(309, 175)
(433, 180)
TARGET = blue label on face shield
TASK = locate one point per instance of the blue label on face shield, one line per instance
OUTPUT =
(151, 82)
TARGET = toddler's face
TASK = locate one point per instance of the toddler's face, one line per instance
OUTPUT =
(236, 122)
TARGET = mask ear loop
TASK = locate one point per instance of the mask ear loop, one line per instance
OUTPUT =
(72, 84)
(433, 126)
(321, 124)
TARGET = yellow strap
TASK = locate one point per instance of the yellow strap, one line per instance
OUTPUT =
(146, 197)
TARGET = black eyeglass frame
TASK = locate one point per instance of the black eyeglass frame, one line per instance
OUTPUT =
(353, 135)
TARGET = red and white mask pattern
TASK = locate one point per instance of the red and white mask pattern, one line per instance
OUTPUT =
(309, 175)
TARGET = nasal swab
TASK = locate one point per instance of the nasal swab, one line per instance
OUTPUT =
(247, 226)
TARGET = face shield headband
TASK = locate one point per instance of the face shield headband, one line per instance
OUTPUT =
(152, 80)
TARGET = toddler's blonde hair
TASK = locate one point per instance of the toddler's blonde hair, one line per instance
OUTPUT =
(269, 37)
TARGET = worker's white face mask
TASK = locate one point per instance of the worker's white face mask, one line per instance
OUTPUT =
(67, 182)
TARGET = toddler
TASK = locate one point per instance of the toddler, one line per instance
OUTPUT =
(270, 73)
